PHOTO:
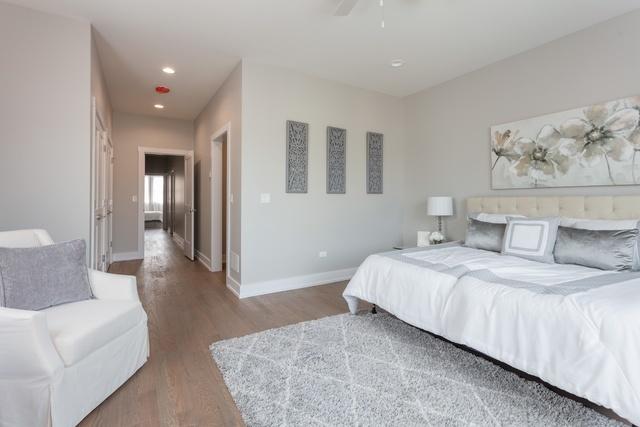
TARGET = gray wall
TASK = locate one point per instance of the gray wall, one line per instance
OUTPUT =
(224, 107)
(283, 238)
(448, 126)
(131, 131)
(45, 105)
(99, 89)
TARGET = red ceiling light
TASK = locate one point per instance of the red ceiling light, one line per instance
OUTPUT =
(162, 89)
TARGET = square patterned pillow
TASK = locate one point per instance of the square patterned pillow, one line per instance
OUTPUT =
(531, 238)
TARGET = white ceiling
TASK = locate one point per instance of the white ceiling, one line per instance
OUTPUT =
(205, 39)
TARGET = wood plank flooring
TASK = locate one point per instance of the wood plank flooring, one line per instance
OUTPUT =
(189, 308)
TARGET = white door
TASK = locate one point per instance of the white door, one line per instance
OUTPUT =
(99, 209)
(189, 209)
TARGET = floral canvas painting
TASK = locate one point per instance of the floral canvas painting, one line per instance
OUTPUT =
(595, 145)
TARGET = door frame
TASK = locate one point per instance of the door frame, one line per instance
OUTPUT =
(142, 152)
(215, 175)
(110, 202)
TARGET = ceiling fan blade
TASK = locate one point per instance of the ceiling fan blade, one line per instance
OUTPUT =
(345, 7)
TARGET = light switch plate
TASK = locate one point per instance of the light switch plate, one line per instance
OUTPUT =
(134, 198)
(265, 198)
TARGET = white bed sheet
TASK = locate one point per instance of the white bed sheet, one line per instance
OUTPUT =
(575, 327)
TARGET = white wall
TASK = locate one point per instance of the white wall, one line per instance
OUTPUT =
(45, 107)
(131, 131)
(283, 238)
(224, 107)
(99, 89)
(448, 126)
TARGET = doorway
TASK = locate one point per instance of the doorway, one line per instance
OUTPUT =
(165, 202)
(220, 198)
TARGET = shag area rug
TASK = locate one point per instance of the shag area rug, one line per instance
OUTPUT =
(376, 370)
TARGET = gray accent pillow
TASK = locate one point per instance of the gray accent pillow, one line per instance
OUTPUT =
(531, 238)
(484, 235)
(603, 249)
(44, 276)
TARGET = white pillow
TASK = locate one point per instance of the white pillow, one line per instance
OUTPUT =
(531, 238)
(493, 218)
(599, 224)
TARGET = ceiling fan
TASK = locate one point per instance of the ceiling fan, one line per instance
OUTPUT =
(345, 7)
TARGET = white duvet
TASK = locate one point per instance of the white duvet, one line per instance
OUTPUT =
(575, 327)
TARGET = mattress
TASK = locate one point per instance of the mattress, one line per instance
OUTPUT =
(575, 327)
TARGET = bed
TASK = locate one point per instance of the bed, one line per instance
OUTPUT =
(575, 327)
(153, 216)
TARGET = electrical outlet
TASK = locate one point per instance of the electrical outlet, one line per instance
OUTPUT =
(322, 254)
(134, 198)
(265, 198)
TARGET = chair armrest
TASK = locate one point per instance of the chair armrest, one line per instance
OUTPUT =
(113, 286)
(27, 351)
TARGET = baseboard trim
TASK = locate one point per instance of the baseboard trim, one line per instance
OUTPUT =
(204, 260)
(233, 286)
(126, 256)
(179, 240)
(291, 283)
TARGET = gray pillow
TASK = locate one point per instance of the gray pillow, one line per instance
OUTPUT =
(40, 277)
(484, 235)
(603, 249)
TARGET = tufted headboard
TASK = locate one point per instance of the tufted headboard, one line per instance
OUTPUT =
(592, 207)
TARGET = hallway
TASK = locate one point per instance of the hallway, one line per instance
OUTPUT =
(189, 308)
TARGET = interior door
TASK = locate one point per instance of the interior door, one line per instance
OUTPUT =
(99, 255)
(189, 210)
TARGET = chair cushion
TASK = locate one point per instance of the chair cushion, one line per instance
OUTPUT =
(77, 329)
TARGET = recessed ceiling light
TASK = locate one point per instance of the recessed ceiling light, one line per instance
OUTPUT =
(397, 63)
(169, 70)
(159, 106)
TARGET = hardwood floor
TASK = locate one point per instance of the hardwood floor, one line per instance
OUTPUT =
(189, 308)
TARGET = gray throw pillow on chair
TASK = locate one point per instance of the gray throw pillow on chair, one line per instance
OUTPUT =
(44, 276)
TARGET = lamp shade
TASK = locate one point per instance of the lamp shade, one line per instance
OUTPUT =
(440, 206)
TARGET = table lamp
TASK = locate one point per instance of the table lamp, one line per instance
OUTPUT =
(440, 206)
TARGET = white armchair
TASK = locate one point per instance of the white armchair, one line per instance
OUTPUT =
(58, 364)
